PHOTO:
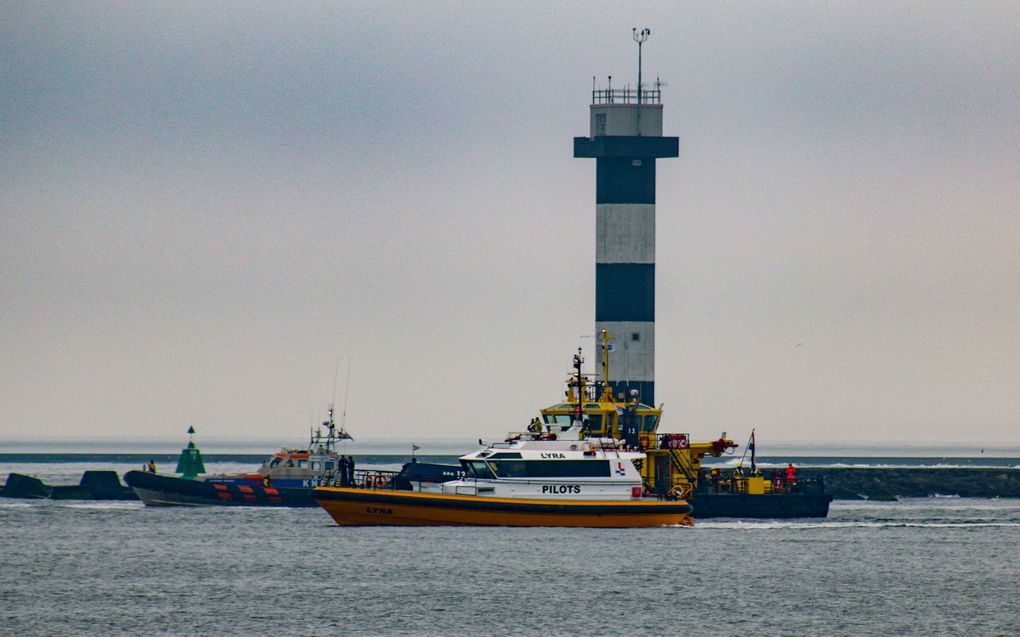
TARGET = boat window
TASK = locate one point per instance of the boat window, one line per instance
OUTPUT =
(330, 465)
(511, 468)
(302, 464)
(477, 469)
(315, 464)
(594, 421)
(551, 468)
(557, 419)
(650, 423)
(512, 454)
(275, 461)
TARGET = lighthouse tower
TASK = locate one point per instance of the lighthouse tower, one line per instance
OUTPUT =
(625, 138)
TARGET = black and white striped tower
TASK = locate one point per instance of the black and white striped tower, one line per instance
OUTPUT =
(625, 138)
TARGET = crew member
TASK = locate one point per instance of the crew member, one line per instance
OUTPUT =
(777, 481)
(350, 471)
(791, 475)
(342, 472)
(716, 476)
(151, 468)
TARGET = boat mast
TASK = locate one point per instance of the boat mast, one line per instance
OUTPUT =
(607, 391)
(578, 360)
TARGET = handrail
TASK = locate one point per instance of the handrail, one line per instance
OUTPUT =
(625, 96)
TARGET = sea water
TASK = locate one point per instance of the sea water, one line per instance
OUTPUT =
(929, 566)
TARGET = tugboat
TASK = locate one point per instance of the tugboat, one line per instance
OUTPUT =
(286, 478)
(672, 466)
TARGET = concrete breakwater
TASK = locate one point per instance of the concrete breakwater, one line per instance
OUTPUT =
(881, 482)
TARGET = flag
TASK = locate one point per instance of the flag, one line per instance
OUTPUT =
(414, 447)
(344, 436)
(751, 445)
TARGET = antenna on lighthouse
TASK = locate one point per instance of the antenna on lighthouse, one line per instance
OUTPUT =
(639, 37)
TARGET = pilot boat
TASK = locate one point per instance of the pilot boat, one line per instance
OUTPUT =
(531, 479)
(286, 478)
(557, 473)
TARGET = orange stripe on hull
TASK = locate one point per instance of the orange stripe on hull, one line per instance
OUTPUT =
(389, 509)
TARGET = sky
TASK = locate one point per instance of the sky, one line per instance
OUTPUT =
(206, 209)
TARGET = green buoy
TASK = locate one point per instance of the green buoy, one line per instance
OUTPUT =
(189, 463)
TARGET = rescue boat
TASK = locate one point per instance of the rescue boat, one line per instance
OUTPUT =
(286, 478)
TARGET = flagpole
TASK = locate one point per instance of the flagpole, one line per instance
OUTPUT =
(752, 445)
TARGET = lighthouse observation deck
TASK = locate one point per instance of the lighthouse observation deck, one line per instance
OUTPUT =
(625, 96)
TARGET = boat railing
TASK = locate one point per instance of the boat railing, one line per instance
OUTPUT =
(739, 483)
(367, 479)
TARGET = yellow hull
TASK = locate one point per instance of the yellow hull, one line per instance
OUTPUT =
(360, 507)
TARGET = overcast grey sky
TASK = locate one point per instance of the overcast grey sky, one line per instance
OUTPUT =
(204, 204)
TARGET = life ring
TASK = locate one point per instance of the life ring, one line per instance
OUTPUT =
(377, 481)
(680, 492)
(677, 441)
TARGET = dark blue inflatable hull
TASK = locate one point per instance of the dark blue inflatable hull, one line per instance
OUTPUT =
(158, 490)
(769, 505)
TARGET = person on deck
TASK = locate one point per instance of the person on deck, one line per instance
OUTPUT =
(716, 476)
(791, 475)
(342, 472)
(151, 468)
(350, 471)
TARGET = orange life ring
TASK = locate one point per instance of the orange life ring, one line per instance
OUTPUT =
(377, 481)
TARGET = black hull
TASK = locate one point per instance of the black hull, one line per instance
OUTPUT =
(770, 505)
(94, 485)
(158, 490)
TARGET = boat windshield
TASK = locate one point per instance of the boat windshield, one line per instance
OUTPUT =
(477, 469)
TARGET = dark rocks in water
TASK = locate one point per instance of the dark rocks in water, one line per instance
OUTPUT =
(920, 482)
(94, 485)
(106, 485)
(26, 487)
(846, 494)
(883, 497)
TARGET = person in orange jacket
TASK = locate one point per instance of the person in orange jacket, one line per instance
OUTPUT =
(791, 474)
